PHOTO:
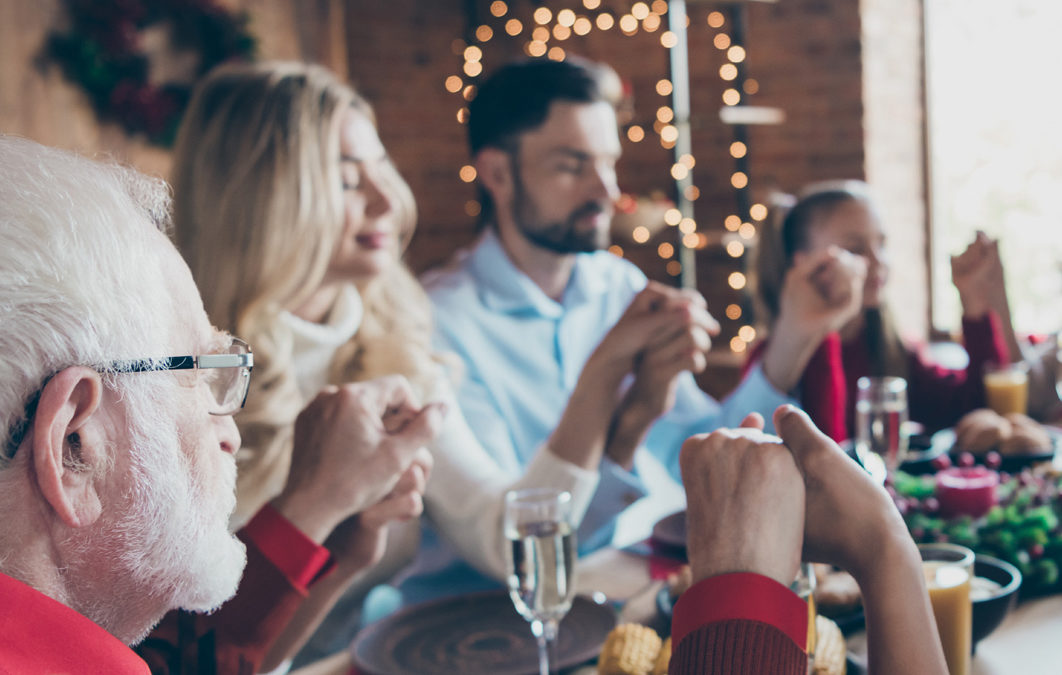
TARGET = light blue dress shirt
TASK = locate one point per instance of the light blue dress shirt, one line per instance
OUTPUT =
(523, 353)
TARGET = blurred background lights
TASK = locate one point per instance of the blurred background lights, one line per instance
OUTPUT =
(636, 133)
(739, 179)
(669, 133)
(468, 173)
(473, 68)
(668, 39)
(605, 21)
(582, 26)
(543, 15)
(672, 217)
(674, 268)
(628, 24)
(735, 249)
(453, 84)
(664, 87)
(738, 150)
(691, 240)
(758, 211)
(556, 53)
(640, 234)
(665, 114)
(665, 250)
(728, 71)
(659, 7)
(687, 226)
(721, 41)
(736, 280)
(731, 97)
(540, 33)
(687, 161)
(484, 33)
(562, 32)
(473, 53)
(651, 23)
(737, 345)
(751, 86)
(616, 250)
(536, 48)
(732, 223)
(736, 54)
(733, 312)
(693, 193)
(566, 17)
(472, 208)
(747, 231)
(639, 10)
(513, 27)
(747, 333)
(462, 115)
(716, 19)
(679, 171)
(591, 4)
(469, 93)
(498, 8)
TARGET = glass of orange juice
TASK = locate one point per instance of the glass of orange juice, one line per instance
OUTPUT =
(948, 570)
(1007, 387)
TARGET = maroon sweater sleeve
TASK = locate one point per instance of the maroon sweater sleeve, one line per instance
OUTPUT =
(738, 624)
(938, 396)
(281, 562)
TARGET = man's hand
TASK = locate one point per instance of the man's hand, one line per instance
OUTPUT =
(360, 541)
(848, 516)
(745, 504)
(352, 445)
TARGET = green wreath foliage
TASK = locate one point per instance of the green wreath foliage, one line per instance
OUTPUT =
(101, 52)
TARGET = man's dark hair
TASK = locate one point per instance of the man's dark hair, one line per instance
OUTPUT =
(516, 98)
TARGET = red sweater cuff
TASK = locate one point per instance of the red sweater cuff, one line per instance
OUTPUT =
(740, 595)
(297, 556)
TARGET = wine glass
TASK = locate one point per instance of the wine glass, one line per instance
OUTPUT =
(540, 552)
(881, 420)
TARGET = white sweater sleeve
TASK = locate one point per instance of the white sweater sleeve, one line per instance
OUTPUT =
(465, 496)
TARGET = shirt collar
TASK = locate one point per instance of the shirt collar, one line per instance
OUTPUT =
(505, 288)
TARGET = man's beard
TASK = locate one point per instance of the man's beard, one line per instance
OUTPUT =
(559, 237)
(172, 542)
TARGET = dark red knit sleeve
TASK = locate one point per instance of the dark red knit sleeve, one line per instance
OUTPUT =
(738, 647)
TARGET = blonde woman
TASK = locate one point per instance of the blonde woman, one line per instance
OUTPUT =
(293, 219)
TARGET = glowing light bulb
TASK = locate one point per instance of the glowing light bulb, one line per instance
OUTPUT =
(640, 234)
(672, 217)
(738, 150)
(664, 87)
(453, 84)
(739, 180)
(735, 249)
(733, 312)
(732, 223)
(665, 250)
(605, 21)
(736, 280)
(498, 8)
(542, 15)
(679, 171)
(728, 71)
(668, 39)
(687, 226)
(467, 173)
(716, 19)
(758, 211)
(721, 41)
(736, 53)
(636, 134)
(514, 27)
(639, 10)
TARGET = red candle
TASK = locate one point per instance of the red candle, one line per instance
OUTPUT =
(966, 491)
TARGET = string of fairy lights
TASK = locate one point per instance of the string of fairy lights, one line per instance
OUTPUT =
(544, 34)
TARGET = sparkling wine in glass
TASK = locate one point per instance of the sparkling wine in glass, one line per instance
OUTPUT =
(540, 551)
(881, 419)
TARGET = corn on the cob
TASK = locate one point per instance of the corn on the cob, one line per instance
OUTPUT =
(830, 648)
(663, 658)
(630, 649)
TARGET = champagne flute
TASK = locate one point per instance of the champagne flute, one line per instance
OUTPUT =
(881, 420)
(541, 559)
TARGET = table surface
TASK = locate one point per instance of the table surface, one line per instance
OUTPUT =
(1028, 642)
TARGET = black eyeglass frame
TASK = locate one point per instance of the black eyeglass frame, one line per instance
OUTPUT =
(244, 359)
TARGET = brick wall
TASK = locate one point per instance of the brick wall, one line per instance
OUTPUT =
(845, 73)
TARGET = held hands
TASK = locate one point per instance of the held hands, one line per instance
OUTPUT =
(977, 274)
(753, 503)
(360, 541)
(745, 503)
(822, 291)
(353, 444)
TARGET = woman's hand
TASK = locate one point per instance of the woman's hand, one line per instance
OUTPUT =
(977, 274)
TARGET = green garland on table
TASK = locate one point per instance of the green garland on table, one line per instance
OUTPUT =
(100, 52)
(1024, 528)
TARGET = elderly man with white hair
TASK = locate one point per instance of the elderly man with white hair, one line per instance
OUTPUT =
(117, 444)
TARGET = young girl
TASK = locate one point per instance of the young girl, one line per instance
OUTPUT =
(867, 344)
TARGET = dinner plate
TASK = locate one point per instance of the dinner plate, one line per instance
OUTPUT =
(945, 440)
(479, 633)
(670, 531)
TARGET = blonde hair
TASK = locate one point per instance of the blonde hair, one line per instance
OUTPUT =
(258, 210)
(787, 231)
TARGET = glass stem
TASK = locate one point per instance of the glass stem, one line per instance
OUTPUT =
(543, 647)
(550, 635)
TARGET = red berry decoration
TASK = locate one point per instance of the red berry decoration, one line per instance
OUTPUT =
(993, 460)
(941, 462)
(1036, 551)
(966, 459)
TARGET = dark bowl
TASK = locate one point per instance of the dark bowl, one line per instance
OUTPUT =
(989, 612)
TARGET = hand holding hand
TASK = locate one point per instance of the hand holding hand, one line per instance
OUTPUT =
(745, 503)
(360, 541)
(352, 445)
(822, 291)
(849, 517)
(977, 274)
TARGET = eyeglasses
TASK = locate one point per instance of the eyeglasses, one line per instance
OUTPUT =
(228, 378)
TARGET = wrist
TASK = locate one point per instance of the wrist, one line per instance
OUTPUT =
(306, 515)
